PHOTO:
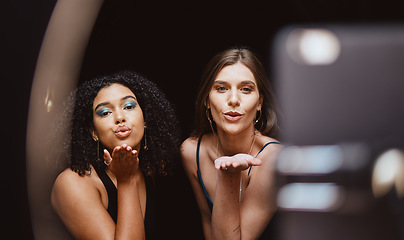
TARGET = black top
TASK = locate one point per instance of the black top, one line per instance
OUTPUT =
(113, 201)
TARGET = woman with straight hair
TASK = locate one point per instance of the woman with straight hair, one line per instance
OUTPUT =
(230, 156)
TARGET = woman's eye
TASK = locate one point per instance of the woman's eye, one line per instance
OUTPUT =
(129, 105)
(103, 112)
(220, 89)
(246, 90)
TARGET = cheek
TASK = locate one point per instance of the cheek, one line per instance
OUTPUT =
(252, 103)
(101, 127)
(215, 110)
(137, 117)
(216, 101)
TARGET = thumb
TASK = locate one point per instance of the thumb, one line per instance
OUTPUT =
(255, 162)
(107, 157)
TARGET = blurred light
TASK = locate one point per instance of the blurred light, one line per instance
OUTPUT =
(48, 99)
(314, 197)
(310, 160)
(388, 171)
(313, 46)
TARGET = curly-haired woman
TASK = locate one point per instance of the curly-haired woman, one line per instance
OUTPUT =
(123, 134)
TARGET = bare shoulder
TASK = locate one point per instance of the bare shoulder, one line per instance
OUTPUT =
(188, 149)
(188, 153)
(270, 153)
(81, 203)
(69, 177)
(70, 184)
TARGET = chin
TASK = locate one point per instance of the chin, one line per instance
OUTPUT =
(233, 130)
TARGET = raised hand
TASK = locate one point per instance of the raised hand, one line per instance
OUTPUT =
(123, 163)
(236, 163)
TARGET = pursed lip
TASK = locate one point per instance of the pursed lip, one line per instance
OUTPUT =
(122, 131)
(232, 115)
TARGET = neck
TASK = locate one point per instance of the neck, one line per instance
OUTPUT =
(231, 144)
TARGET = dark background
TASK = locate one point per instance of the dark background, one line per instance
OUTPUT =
(168, 41)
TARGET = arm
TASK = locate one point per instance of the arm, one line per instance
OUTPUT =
(226, 218)
(77, 200)
(188, 156)
(226, 214)
(247, 219)
(124, 165)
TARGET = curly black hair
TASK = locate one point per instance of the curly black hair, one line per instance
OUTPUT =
(163, 135)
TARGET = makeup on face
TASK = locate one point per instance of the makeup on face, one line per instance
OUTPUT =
(118, 117)
(105, 111)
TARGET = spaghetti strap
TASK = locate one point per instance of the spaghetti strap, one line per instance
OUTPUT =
(210, 203)
(265, 145)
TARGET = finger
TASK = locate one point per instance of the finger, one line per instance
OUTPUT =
(218, 163)
(236, 164)
(124, 151)
(107, 157)
(127, 150)
(130, 154)
(134, 153)
(116, 152)
(254, 162)
(225, 165)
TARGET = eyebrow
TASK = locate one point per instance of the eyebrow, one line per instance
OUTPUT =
(248, 82)
(106, 103)
(242, 82)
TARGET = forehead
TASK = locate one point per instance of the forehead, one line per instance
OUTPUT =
(235, 73)
(112, 93)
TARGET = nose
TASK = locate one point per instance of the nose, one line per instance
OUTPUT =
(234, 99)
(120, 118)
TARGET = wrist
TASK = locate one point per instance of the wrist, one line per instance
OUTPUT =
(128, 180)
(226, 176)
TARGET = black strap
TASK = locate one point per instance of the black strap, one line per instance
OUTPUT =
(266, 144)
(112, 194)
(210, 203)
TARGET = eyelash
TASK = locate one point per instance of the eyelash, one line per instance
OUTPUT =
(104, 112)
(129, 105)
(244, 89)
(221, 89)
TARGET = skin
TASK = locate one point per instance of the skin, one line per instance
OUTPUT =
(82, 201)
(233, 100)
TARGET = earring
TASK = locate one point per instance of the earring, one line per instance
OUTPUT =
(98, 151)
(258, 117)
(145, 147)
(98, 148)
(210, 121)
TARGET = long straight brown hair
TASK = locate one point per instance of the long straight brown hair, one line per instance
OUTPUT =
(268, 121)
